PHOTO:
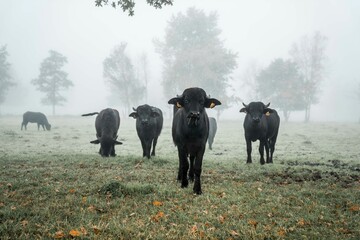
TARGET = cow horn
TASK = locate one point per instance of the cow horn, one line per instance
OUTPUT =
(244, 105)
(267, 105)
(134, 109)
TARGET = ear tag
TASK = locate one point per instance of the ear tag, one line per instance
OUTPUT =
(178, 105)
(212, 105)
(267, 114)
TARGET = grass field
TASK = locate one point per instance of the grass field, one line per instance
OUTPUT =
(54, 185)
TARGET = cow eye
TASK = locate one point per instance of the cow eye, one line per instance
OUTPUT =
(186, 101)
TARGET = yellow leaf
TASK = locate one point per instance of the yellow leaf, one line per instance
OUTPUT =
(157, 203)
(83, 200)
(281, 232)
(301, 222)
(59, 234)
(157, 217)
(75, 233)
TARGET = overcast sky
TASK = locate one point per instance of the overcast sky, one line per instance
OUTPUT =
(258, 30)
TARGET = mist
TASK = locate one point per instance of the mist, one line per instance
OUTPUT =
(257, 30)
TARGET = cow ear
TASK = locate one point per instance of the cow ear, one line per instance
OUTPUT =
(243, 110)
(133, 114)
(117, 142)
(97, 141)
(177, 101)
(267, 111)
(211, 102)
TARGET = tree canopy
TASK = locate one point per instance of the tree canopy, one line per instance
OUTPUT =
(120, 75)
(194, 55)
(5, 77)
(309, 55)
(282, 84)
(128, 5)
(52, 79)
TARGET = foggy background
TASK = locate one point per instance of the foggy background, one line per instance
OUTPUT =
(258, 30)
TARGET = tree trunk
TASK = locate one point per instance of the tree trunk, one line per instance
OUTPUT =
(286, 115)
(53, 109)
(307, 113)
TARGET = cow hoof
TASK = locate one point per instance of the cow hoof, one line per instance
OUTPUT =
(197, 192)
(184, 184)
(191, 179)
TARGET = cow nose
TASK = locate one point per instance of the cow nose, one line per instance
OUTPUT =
(145, 122)
(256, 119)
(194, 115)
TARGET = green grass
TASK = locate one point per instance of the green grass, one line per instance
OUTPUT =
(54, 182)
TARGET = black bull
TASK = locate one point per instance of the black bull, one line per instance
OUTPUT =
(107, 125)
(261, 123)
(190, 130)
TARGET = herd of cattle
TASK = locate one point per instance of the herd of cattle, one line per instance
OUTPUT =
(191, 129)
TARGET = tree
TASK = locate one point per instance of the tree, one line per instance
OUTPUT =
(5, 77)
(143, 72)
(120, 75)
(282, 84)
(194, 55)
(52, 79)
(128, 5)
(309, 55)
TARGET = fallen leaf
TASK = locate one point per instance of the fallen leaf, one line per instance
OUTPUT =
(59, 234)
(253, 223)
(234, 233)
(157, 217)
(281, 232)
(72, 190)
(83, 230)
(2, 204)
(24, 223)
(301, 222)
(75, 233)
(96, 230)
(157, 203)
(84, 200)
(221, 219)
(13, 208)
(354, 208)
(193, 229)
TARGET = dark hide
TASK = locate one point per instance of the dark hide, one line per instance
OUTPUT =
(35, 117)
(212, 131)
(190, 130)
(261, 123)
(107, 125)
(149, 122)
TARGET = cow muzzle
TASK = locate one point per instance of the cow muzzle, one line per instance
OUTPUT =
(193, 118)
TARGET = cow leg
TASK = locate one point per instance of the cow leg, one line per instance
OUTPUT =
(112, 152)
(143, 147)
(179, 171)
(191, 171)
(154, 146)
(43, 126)
(267, 150)
(22, 124)
(197, 171)
(272, 147)
(248, 149)
(38, 127)
(148, 148)
(261, 151)
(184, 166)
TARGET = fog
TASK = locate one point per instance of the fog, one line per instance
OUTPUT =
(258, 30)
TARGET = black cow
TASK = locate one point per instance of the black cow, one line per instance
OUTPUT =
(35, 117)
(212, 131)
(261, 123)
(190, 130)
(107, 125)
(149, 122)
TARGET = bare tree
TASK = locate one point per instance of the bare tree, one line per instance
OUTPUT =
(144, 72)
(248, 79)
(309, 55)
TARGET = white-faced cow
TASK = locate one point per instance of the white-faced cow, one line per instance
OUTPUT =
(212, 131)
(190, 130)
(35, 117)
(149, 122)
(261, 123)
(107, 125)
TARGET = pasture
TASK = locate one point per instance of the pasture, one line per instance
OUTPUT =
(54, 184)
